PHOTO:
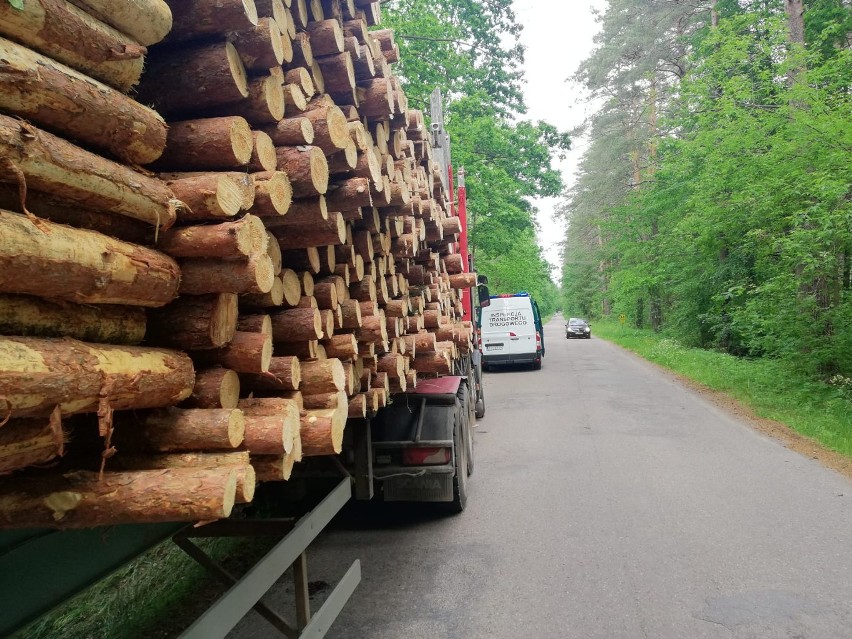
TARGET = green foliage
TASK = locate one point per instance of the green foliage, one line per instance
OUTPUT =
(470, 50)
(17, 4)
(739, 233)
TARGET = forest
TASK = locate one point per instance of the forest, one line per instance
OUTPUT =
(471, 51)
(714, 200)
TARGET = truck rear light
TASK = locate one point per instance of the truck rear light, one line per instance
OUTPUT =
(426, 456)
(512, 334)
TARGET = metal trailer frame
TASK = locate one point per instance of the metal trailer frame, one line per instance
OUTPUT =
(51, 566)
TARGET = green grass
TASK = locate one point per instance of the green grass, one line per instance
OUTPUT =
(156, 595)
(772, 390)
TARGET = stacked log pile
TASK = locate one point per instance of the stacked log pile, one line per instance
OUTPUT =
(287, 259)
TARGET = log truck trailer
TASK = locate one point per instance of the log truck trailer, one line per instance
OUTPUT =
(421, 445)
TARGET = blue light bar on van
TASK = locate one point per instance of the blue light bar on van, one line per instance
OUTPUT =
(521, 294)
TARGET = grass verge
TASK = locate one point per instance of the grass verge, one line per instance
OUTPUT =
(772, 390)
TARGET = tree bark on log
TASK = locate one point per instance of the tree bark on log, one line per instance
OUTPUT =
(194, 19)
(34, 317)
(260, 47)
(229, 240)
(146, 21)
(63, 32)
(294, 131)
(207, 196)
(263, 158)
(245, 353)
(322, 376)
(58, 98)
(186, 81)
(215, 387)
(296, 325)
(273, 467)
(326, 233)
(202, 276)
(343, 346)
(75, 265)
(322, 431)
(51, 164)
(195, 322)
(307, 168)
(27, 442)
(85, 500)
(179, 429)
(37, 374)
(284, 374)
(207, 144)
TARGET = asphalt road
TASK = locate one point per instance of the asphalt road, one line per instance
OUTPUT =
(608, 501)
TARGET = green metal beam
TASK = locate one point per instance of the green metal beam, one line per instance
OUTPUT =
(39, 569)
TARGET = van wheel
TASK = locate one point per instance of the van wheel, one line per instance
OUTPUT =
(536, 365)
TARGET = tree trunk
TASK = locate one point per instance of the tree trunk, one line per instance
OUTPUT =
(229, 240)
(215, 387)
(27, 442)
(194, 19)
(195, 322)
(322, 431)
(207, 144)
(34, 317)
(63, 263)
(63, 32)
(58, 98)
(186, 81)
(296, 325)
(322, 376)
(84, 500)
(207, 196)
(179, 429)
(796, 19)
(307, 168)
(246, 353)
(66, 171)
(202, 276)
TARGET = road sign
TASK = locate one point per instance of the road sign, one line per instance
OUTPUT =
(622, 318)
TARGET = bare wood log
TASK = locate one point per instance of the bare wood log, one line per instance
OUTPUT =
(264, 105)
(179, 429)
(56, 166)
(306, 167)
(296, 325)
(215, 387)
(338, 73)
(83, 499)
(277, 9)
(27, 442)
(201, 276)
(63, 32)
(351, 193)
(294, 100)
(272, 424)
(81, 266)
(195, 322)
(322, 431)
(373, 330)
(326, 400)
(453, 264)
(463, 280)
(193, 19)
(303, 55)
(306, 259)
(181, 81)
(292, 131)
(208, 196)
(255, 323)
(437, 362)
(272, 467)
(351, 310)
(322, 376)
(61, 99)
(245, 353)
(34, 317)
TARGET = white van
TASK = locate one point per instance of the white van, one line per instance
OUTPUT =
(511, 331)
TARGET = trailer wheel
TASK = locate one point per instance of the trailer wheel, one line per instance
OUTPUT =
(479, 405)
(460, 479)
(470, 411)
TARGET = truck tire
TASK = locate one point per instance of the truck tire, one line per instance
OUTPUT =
(479, 405)
(469, 411)
(459, 502)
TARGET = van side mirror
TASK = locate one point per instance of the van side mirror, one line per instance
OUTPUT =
(484, 296)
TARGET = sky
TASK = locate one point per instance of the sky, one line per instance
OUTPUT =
(558, 36)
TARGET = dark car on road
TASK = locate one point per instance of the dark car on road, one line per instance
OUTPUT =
(579, 328)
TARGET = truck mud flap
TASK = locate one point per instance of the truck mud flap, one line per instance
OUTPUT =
(428, 487)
